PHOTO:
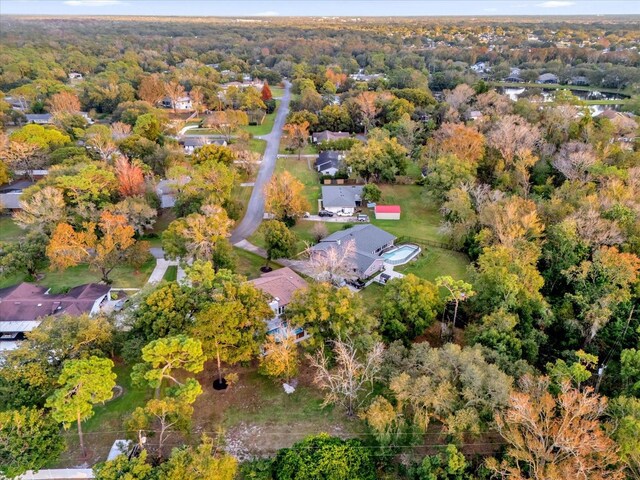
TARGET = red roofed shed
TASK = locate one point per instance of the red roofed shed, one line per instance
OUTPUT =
(387, 212)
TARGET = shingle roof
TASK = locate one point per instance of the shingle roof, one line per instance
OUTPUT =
(27, 302)
(368, 238)
(341, 196)
(327, 135)
(280, 284)
(328, 159)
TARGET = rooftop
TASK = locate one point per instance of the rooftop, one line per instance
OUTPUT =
(336, 196)
(280, 284)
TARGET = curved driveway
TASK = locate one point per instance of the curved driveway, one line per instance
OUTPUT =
(255, 209)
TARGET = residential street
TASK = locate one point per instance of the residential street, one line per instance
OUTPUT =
(255, 210)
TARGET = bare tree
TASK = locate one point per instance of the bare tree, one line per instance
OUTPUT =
(334, 263)
(319, 231)
(595, 229)
(574, 161)
(23, 156)
(102, 142)
(459, 96)
(120, 130)
(42, 211)
(347, 383)
(513, 137)
(175, 91)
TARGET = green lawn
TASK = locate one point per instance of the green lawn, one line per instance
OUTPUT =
(9, 231)
(242, 195)
(248, 264)
(123, 277)
(309, 177)
(154, 236)
(309, 149)
(304, 230)
(419, 219)
(267, 124)
(276, 92)
(435, 262)
(171, 274)
(257, 145)
(106, 426)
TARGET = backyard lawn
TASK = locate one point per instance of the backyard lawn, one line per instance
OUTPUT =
(309, 149)
(419, 219)
(171, 274)
(248, 264)
(257, 145)
(123, 277)
(267, 124)
(435, 262)
(304, 230)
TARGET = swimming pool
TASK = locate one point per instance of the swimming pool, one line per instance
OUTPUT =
(400, 255)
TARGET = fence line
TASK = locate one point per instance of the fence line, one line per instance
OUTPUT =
(423, 242)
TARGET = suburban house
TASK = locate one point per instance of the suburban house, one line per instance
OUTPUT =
(47, 118)
(579, 80)
(341, 198)
(512, 78)
(182, 103)
(10, 193)
(387, 212)
(329, 162)
(280, 285)
(327, 136)
(75, 76)
(23, 306)
(370, 242)
(548, 78)
(190, 143)
(363, 77)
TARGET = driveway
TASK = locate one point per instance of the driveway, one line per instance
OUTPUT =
(334, 219)
(255, 210)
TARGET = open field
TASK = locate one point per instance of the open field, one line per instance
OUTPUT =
(419, 219)
(257, 145)
(434, 262)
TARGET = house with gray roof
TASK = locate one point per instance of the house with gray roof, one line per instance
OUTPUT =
(341, 198)
(548, 78)
(329, 162)
(327, 136)
(190, 143)
(11, 193)
(370, 242)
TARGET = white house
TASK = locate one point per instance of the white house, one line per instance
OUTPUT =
(183, 103)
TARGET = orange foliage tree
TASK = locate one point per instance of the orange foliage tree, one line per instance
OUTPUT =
(151, 89)
(130, 178)
(296, 136)
(555, 437)
(103, 246)
(336, 78)
(464, 142)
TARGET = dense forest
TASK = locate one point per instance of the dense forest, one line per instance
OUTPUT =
(508, 348)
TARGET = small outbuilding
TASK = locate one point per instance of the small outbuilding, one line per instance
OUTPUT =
(387, 212)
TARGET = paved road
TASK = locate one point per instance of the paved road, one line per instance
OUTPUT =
(255, 210)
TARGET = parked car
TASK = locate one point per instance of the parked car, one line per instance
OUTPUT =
(306, 215)
(342, 213)
(362, 218)
(325, 213)
(357, 283)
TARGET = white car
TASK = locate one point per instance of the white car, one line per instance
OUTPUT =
(342, 213)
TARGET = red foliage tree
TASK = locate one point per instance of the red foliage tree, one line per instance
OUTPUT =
(266, 92)
(130, 178)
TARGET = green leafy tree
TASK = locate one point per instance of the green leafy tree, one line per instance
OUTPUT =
(576, 372)
(408, 307)
(328, 313)
(164, 355)
(445, 172)
(322, 457)
(371, 193)
(625, 412)
(233, 327)
(83, 383)
(449, 464)
(124, 468)
(213, 153)
(206, 461)
(380, 158)
(148, 126)
(457, 291)
(26, 256)
(29, 440)
(280, 241)
(45, 138)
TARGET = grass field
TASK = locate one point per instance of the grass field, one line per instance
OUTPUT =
(419, 219)
(257, 145)
(435, 262)
(276, 92)
(9, 231)
(171, 274)
(309, 149)
(248, 264)
(267, 124)
(123, 277)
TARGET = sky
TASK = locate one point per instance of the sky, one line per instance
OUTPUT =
(353, 8)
